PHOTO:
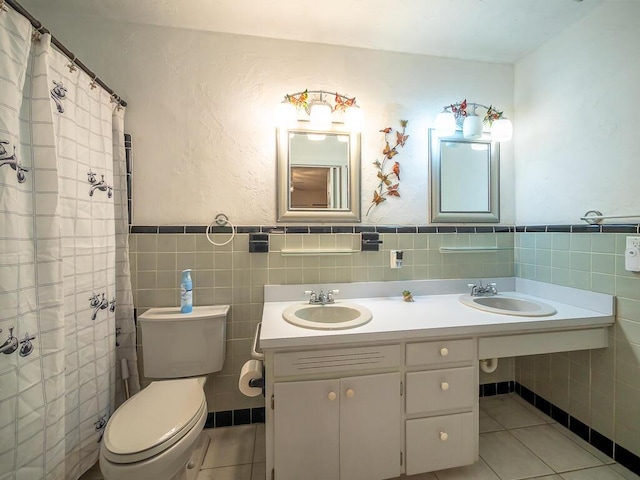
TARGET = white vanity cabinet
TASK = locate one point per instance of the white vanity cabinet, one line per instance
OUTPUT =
(343, 428)
(441, 428)
(399, 394)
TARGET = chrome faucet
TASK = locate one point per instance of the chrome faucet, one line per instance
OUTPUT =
(97, 304)
(12, 161)
(321, 298)
(483, 291)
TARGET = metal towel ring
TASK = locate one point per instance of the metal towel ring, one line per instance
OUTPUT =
(221, 220)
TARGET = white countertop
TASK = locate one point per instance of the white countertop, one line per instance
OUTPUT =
(435, 315)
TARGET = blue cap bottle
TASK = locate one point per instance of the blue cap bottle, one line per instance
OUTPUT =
(186, 292)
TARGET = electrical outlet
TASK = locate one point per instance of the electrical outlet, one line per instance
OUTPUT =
(633, 242)
(632, 254)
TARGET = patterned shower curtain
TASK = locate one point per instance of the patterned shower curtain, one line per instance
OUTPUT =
(58, 253)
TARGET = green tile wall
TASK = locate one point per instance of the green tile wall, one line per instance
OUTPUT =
(231, 275)
(600, 387)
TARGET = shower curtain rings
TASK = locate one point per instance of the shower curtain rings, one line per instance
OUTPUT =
(93, 83)
(72, 66)
(3, 7)
(116, 99)
(221, 220)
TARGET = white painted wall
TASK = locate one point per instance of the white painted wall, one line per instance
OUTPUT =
(201, 114)
(577, 141)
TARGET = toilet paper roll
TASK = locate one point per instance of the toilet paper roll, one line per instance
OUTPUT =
(250, 370)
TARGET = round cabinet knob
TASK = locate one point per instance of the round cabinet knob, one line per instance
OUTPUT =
(444, 351)
(444, 436)
(332, 396)
(350, 393)
(444, 385)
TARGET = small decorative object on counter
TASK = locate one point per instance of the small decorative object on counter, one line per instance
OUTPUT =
(406, 296)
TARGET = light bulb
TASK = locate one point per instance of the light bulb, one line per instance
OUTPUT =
(320, 116)
(354, 119)
(445, 124)
(285, 115)
(472, 127)
(316, 137)
(502, 130)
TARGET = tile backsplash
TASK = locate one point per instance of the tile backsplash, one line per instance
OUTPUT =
(231, 275)
(600, 388)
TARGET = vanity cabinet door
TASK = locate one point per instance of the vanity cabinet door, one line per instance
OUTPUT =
(370, 427)
(306, 430)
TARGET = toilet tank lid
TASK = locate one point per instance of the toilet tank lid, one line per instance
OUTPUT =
(173, 313)
(163, 410)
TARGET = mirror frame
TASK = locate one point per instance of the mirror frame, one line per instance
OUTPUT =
(286, 214)
(435, 153)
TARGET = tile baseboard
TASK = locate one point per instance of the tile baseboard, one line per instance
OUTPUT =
(607, 446)
(229, 418)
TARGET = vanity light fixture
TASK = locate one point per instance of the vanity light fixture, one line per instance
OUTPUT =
(321, 113)
(456, 116)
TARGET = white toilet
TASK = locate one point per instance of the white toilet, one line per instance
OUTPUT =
(155, 434)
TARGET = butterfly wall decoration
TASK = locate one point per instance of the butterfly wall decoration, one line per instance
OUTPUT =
(389, 177)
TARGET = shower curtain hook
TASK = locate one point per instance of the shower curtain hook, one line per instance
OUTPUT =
(93, 83)
(116, 99)
(3, 7)
(72, 66)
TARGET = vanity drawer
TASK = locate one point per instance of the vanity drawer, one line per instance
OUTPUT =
(441, 442)
(437, 390)
(310, 362)
(445, 351)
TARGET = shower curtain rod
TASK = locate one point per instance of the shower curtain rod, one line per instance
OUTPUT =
(41, 28)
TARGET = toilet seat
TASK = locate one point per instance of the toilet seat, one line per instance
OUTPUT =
(153, 420)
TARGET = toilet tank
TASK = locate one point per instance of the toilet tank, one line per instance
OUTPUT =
(176, 345)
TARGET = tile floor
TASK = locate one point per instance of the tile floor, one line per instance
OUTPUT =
(516, 442)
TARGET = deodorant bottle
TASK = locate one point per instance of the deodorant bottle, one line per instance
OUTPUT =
(186, 292)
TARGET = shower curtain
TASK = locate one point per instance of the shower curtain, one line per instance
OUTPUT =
(60, 305)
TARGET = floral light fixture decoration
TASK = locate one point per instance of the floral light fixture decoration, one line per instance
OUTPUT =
(315, 104)
(389, 178)
(457, 115)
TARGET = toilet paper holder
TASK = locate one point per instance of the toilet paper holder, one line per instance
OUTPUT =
(258, 382)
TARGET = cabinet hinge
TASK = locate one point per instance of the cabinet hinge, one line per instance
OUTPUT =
(401, 388)
(273, 474)
(400, 458)
(273, 402)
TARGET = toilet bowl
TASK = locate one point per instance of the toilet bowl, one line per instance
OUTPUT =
(153, 434)
(157, 433)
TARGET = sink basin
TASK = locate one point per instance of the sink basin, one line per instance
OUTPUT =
(327, 317)
(509, 305)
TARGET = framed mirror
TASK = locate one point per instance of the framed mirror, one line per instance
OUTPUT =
(318, 174)
(465, 179)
